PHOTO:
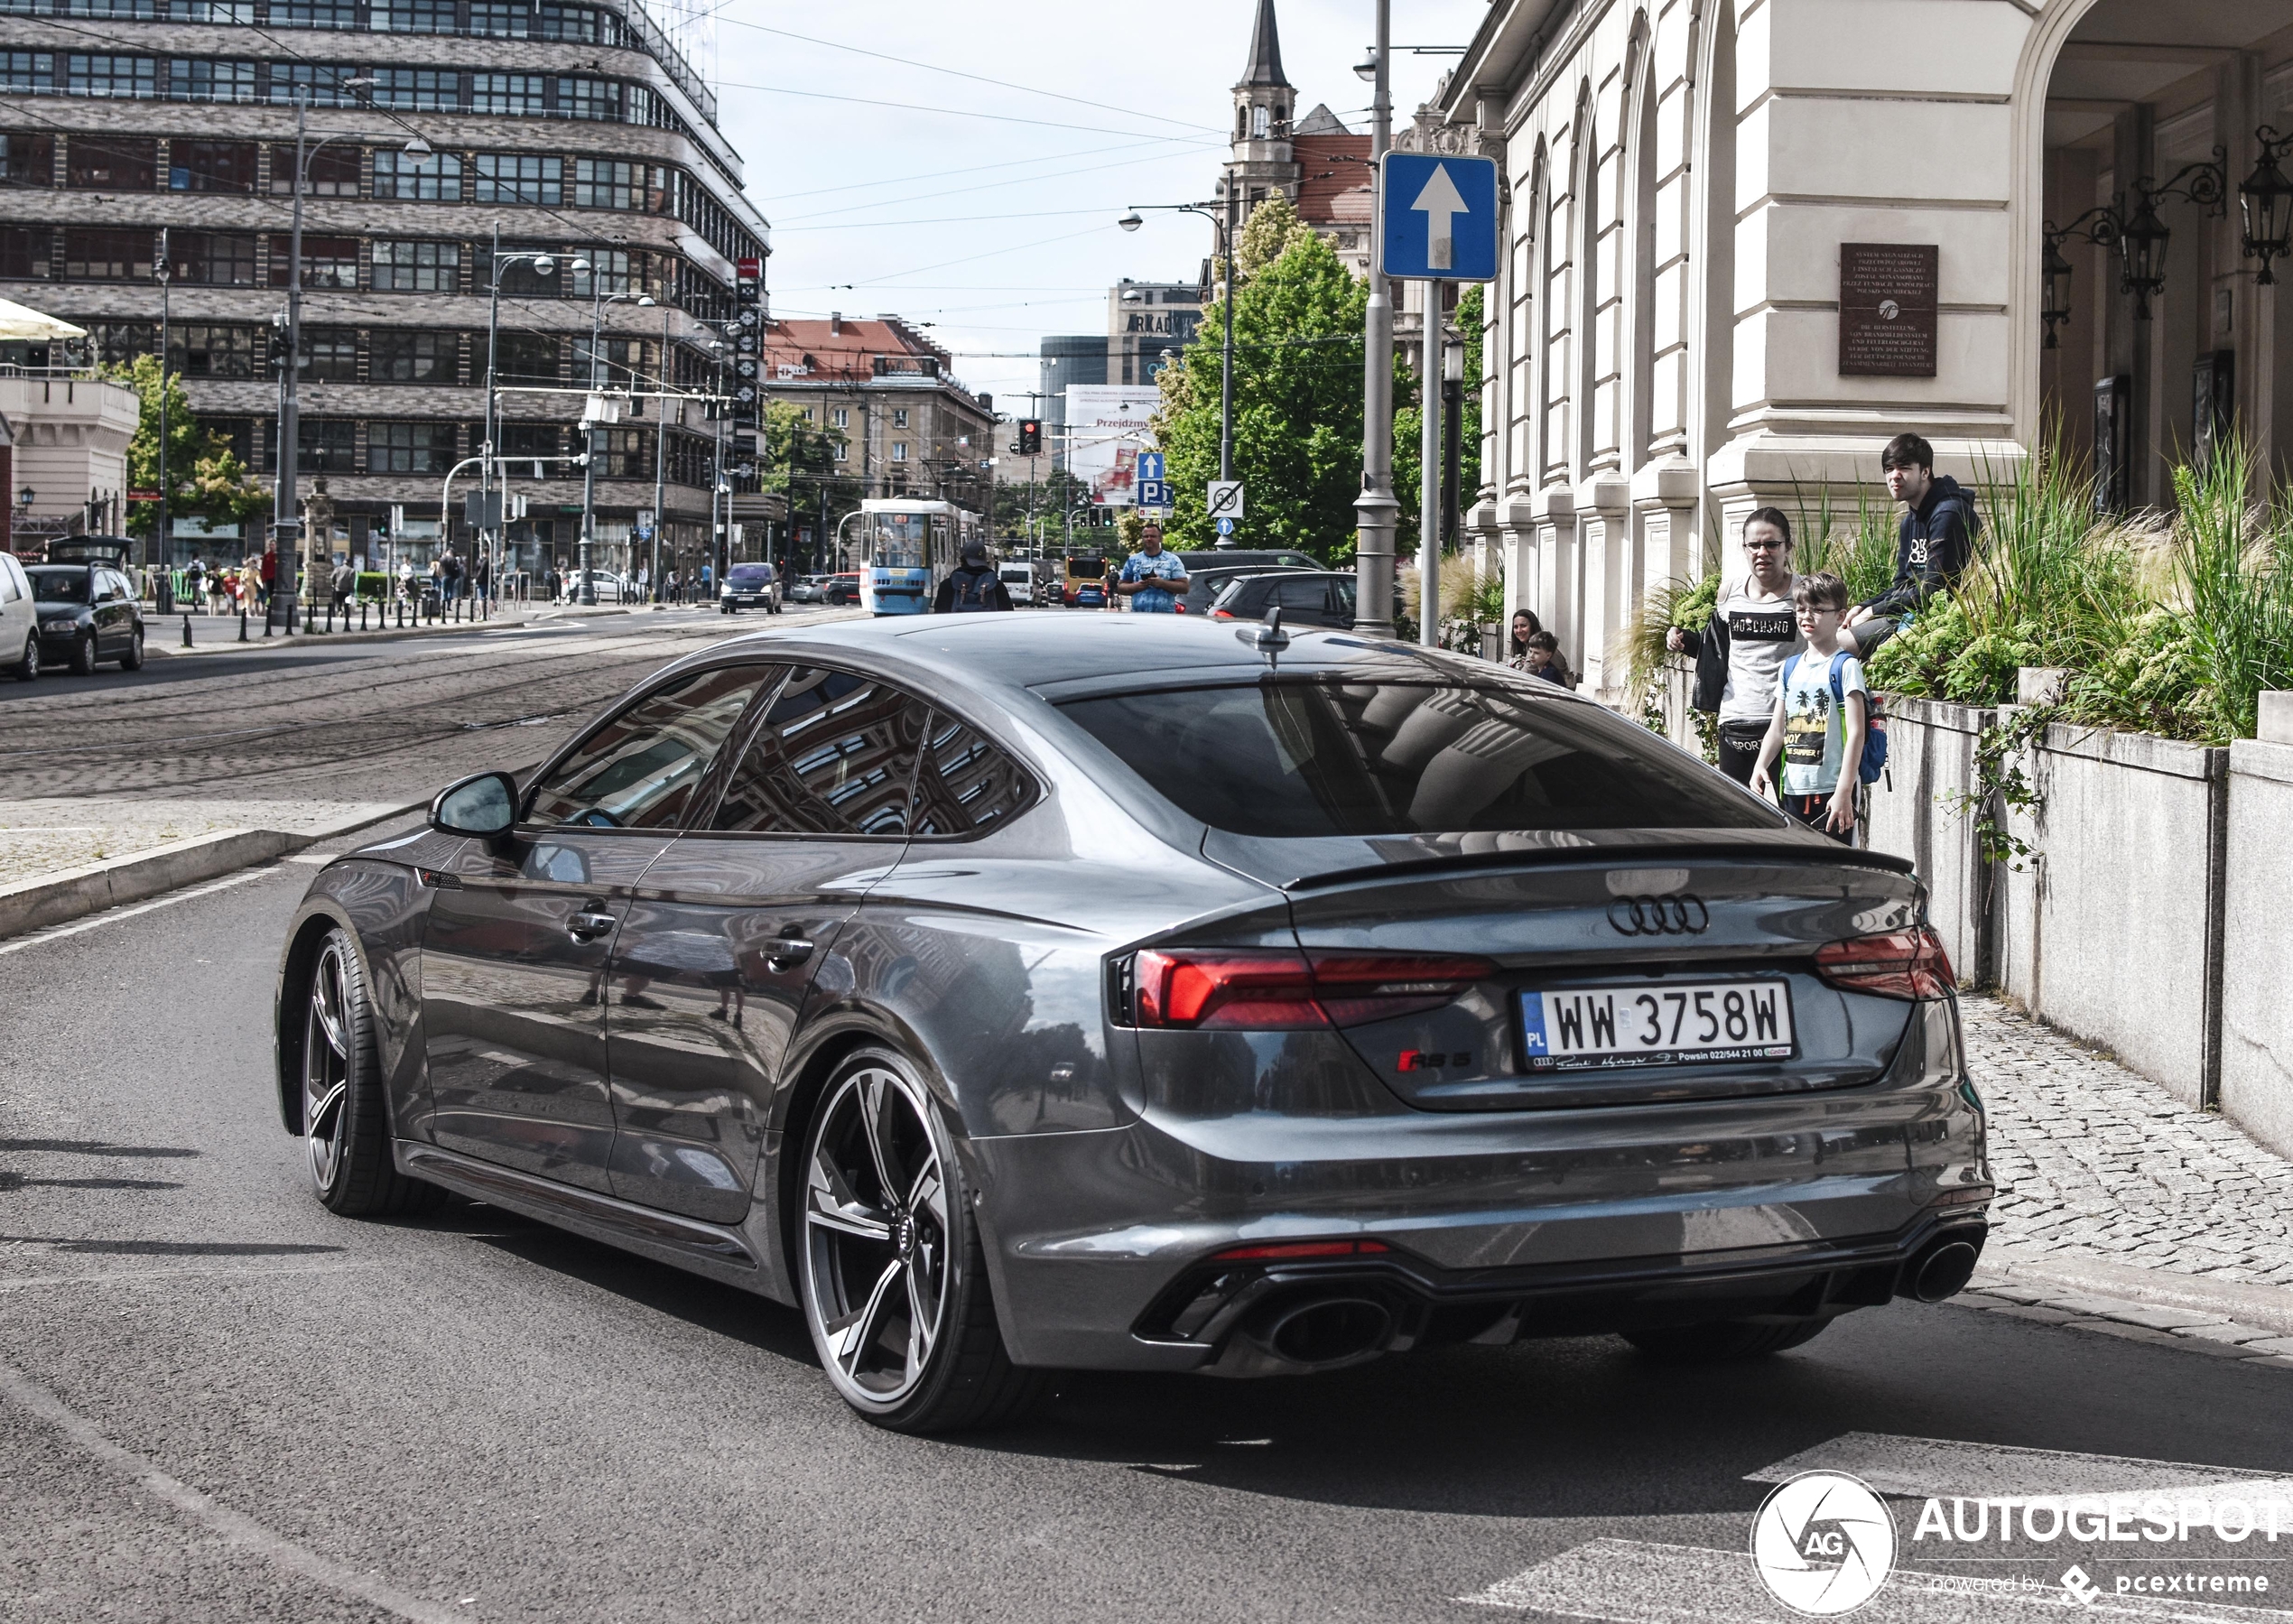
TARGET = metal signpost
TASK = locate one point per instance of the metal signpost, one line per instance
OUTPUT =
(1437, 222)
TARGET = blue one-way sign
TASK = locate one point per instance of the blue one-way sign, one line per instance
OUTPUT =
(1440, 218)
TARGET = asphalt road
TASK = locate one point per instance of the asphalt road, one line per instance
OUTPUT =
(219, 1402)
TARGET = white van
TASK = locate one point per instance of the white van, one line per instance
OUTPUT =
(1019, 580)
(19, 622)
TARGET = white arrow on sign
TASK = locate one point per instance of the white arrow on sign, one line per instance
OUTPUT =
(1441, 202)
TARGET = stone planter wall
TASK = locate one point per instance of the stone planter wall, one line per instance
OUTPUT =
(1916, 811)
(2257, 958)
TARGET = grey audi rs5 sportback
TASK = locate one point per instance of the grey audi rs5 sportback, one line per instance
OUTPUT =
(1010, 993)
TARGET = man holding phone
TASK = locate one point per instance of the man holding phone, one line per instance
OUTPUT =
(1153, 579)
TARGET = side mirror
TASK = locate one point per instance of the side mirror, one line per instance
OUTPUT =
(485, 806)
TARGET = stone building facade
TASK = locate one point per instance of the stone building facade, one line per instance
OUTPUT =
(573, 128)
(1696, 190)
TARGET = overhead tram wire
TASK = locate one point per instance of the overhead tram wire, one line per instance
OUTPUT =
(913, 107)
(981, 169)
(957, 191)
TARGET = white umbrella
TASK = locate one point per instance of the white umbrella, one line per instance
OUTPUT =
(20, 323)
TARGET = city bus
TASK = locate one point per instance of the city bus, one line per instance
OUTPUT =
(910, 545)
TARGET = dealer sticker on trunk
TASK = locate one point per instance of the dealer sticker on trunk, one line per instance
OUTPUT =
(1667, 1024)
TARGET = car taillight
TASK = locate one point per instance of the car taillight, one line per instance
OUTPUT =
(1221, 614)
(1891, 964)
(1273, 1252)
(1257, 989)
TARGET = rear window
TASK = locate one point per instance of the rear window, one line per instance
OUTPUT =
(1293, 760)
(60, 584)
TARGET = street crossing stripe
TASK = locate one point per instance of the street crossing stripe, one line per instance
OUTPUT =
(1635, 1582)
(1944, 1468)
(233, 1527)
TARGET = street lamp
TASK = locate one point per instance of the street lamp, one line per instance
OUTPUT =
(1376, 510)
(545, 264)
(598, 299)
(2265, 205)
(1224, 230)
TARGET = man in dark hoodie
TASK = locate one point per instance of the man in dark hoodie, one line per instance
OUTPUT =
(974, 586)
(1932, 548)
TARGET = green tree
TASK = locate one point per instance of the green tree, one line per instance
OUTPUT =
(800, 463)
(1297, 398)
(206, 480)
(1044, 501)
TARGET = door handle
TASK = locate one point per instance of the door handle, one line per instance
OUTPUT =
(585, 925)
(786, 950)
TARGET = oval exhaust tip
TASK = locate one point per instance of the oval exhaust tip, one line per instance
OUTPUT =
(1329, 1331)
(1943, 1271)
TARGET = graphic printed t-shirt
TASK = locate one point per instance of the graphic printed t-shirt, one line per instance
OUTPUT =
(1815, 732)
(1163, 566)
(1762, 634)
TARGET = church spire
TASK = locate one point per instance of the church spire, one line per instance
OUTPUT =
(1266, 51)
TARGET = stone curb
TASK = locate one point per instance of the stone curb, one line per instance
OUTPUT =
(51, 899)
(2220, 1318)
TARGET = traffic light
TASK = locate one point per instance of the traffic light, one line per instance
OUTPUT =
(1030, 437)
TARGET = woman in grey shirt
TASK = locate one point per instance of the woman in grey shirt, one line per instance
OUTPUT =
(1740, 656)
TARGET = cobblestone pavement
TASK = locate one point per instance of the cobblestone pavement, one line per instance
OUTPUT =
(2094, 1160)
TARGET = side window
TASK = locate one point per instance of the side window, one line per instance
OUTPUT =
(9, 590)
(639, 770)
(833, 755)
(963, 784)
(1305, 594)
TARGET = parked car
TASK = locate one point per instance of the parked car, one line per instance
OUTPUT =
(19, 621)
(87, 614)
(1022, 581)
(808, 588)
(605, 587)
(1004, 1009)
(844, 588)
(1204, 584)
(751, 587)
(1307, 598)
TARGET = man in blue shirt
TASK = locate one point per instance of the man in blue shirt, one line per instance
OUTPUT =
(1153, 579)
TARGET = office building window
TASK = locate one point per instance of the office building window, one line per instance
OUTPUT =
(328, 262)
(608, 272)
(628, 454)
(330, 356)
(118, 343)
(134, 77)
(216, 11)
(598, 99)
(28, 161)
(899, 417)
(520, 178)
(808, 415)
(190, 79)
(326, 445)
(212, 259)
(420, 90)
(528, 438)
(843, 450)
(840, 417)
(417, 268)
(525, 358)
(27, 72)
(111, 164)
(437, 179)
(313, 13)
(575, 24)
(415, 16)
(899, 450)
(202, 351)
(519, 93)
(108, 255)
(212, 166)
(27, 252)
(136, 10)
(317, 83)
(412, 358)
(607, 183)
(328, 172)
(410, 448)
(509, 21)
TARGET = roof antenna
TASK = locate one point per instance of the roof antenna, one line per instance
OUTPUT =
(1268, 639)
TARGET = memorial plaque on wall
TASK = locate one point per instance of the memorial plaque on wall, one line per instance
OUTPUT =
(1887, 296)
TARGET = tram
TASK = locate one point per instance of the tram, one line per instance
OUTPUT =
(912, 546)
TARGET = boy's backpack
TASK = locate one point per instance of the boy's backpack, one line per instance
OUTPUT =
(1874, 762)
(971, 590)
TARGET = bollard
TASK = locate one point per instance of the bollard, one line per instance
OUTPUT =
(362, 614)
(242, 626)
(266, 619)
(330, 616)
(187, 628)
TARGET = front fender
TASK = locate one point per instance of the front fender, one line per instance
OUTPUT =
(382, 906)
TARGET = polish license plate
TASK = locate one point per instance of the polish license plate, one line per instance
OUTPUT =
(1663, 1023)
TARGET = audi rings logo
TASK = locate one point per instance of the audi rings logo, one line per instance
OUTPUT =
(1675, 915)
(1823, 1543)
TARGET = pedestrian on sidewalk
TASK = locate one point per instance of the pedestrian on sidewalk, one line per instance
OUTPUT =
(1932, 546)
(1540, 656)
(266, 575)
(1823, 710)
(1153, 579)
(344, 581)
(195, 579)
(1741, 653)
(482, 578)
(973, 585)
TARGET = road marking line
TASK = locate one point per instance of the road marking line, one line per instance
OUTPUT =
(1944, 1468)
(114, 1276)
(1636, 1581)
(233, 1526)
(111, 915)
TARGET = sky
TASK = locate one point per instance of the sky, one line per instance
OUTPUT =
(988, 210)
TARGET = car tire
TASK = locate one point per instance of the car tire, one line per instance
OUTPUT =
(889, 1257)
(83, 656)
(133, 659)
(27, 670)
(346, 1120)
(1724, 1341)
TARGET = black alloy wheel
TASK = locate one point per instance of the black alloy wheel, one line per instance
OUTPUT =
(133, 659)
(83, 655)
(346, 1123)
(1725, 1341)
(27, 670)
(893, 1276)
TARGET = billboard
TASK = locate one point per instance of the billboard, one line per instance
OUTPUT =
(1106, 431)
